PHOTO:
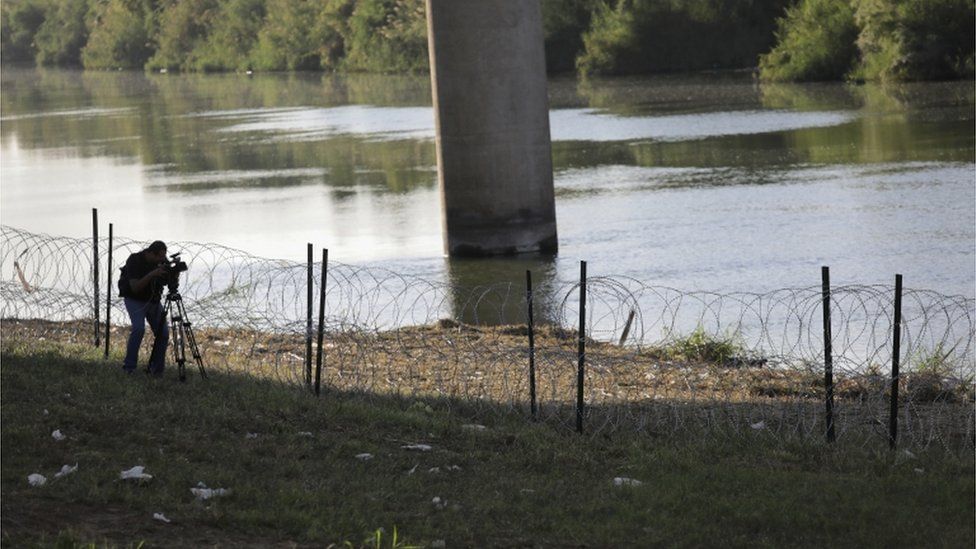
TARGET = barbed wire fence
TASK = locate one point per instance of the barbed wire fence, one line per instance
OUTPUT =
(658, 360)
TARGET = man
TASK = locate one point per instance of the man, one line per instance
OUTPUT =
(141, 284)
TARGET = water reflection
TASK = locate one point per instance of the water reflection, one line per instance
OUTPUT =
(492, 291)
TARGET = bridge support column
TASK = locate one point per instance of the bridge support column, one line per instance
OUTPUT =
(494, 155)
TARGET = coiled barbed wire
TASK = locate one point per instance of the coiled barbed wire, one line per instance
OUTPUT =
(658, 359)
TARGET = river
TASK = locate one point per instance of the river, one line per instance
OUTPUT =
(698, 182)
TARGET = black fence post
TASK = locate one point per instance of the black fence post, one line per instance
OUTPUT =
(581, 350)
(318, 356)
(828, 355)
(108, 292)
(308, 318)
(895, 352)
(98, 328)
(528, 303)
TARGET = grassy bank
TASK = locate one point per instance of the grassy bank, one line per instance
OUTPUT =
(290, 462)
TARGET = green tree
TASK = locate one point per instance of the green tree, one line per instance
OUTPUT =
(815, 41)
(284, 42)
(118, 36)
(19, 22)
(62, 35)
(904, 40)
(183, 29)
(387, 36)
(233, 35)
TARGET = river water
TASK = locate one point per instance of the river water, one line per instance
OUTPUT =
(703, 182)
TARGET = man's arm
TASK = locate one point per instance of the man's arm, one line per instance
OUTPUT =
(139, 284)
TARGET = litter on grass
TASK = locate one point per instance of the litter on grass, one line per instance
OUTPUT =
(251, 435)
(473, 427)
(58, 435)
(364, 456)
(35, 479)
(203, 493)
(418, 447)
(136, 473)
(161, 517)
(758, 426)
(66, 470)
(624, 481)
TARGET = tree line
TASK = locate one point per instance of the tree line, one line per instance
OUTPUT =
(788, 40)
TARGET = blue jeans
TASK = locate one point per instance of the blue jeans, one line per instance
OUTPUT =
(141, 312)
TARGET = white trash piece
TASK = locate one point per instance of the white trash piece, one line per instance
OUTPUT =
(251, 435)
(204, 494)
(364, 456)
(758, 426)
(418, 447)
(136, 473)
(161, 518)
(304, 433)
(439, 503)
(58, 435)
(473, 427)
(35, 479)
(624, 481)
(66, 470)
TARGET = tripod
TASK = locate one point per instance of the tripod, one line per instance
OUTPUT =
(182, 334)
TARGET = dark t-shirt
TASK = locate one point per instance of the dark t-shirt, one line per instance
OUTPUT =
(137, 267)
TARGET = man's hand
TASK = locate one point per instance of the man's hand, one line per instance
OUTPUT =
(157, 272)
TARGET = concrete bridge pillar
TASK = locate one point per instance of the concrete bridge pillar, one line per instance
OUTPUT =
(491, 108)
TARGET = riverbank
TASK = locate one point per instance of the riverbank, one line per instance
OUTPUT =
(298, 475)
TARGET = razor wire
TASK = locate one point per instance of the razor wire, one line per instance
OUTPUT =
(658, 359)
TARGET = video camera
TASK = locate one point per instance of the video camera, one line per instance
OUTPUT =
(173, 267)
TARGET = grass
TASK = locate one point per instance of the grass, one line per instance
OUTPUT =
(514, 483)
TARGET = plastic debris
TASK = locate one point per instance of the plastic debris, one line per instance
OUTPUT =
(251, 435)
(66, 470)
(58, 435)
(439, 503)
(136, 473)
(418, 447)
(919, 470)
(46, 412)
(413, 470)
(364, 456)
(453, 468)
(624, 481)
(161, 517)
(473, 427)
(207, 493)
(35, 479)
(758, 426)
(304, 434)
(434, 470)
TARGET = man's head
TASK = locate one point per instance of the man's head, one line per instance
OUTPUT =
(156, 252)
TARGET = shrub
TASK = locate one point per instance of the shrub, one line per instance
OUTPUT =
(387, 36)
(280, 46)
(233, 36)
(639, 36)
(118, 37)
(815, 41)
(183, 28)
(564, 22)
(903, 40)
(62, 35)
(19, 22)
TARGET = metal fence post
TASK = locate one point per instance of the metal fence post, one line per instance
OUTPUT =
(581, 350)
(308, 318)
(318, 356)
(528, 303)
(828, 355)
(895, 352)
(108, 292)
(98, 328)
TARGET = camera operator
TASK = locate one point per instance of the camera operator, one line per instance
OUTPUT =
(141, 284)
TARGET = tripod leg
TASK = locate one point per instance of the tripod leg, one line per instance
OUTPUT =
(176, 322)
(192, 340)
